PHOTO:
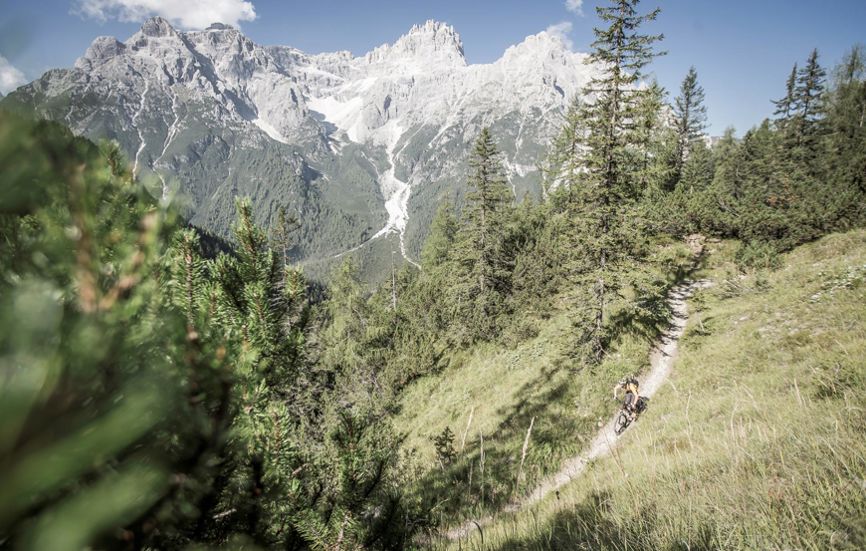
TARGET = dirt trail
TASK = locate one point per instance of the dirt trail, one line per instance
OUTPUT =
(661, 360)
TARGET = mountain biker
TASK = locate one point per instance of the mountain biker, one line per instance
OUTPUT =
(632, 394)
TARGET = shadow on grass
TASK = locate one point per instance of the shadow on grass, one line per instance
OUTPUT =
(461, 489)
(590, 526)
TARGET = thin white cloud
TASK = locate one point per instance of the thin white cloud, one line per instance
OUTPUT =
(561, 31)
(574, 6)
(188, 14)
(10, 77)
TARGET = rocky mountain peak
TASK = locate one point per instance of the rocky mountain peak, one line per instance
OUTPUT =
(101, 49)
(433, 27)
(155, 34)
(429, 45)
(156, 27)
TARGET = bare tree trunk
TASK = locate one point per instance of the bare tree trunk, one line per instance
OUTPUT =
(393, 285)
(598, 344)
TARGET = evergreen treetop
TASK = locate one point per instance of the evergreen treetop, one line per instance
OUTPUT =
(488, 197)
(786, 106)
(690, 116)
(809, 95)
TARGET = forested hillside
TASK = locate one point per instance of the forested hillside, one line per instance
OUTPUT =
(161, 390)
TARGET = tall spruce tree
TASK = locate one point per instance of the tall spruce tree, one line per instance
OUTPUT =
(786, 116)
(488, 198)
(786, 106)
(481, 253)
(609, 238)
(845, 156)
(564, 162)
(809, 94)
(690, 116)
(654, 141)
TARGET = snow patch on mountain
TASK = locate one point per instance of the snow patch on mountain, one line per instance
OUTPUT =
(343, 114)
(396, 192)
(268, 129)
(138, 129)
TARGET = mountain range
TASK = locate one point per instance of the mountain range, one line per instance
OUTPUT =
(361, 149)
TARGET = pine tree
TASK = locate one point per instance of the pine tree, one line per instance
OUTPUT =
(655, 143)
(845, 158)
(809, 95)
(847, 108)
(693, 190)
(853, 66)
(107, 392)
(654, 140)
(601, 210)
(188, 270)
(766, 194)
(444, 445)
(787, 106)
(786, 116)
(260, 298)
(724, 192)
(349, 315)
(690, 116)
(564, 162)
(487, 201)
(480, 243)
(440, 242)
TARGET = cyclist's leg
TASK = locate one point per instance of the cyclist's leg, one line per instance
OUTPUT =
(630, 404)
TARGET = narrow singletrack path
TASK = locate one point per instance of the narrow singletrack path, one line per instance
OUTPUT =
(661, 361)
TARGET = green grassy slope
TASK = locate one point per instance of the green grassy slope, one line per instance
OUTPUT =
(756, 442)
(504, 389)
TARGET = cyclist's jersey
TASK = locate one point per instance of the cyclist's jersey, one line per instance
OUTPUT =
(631, 387)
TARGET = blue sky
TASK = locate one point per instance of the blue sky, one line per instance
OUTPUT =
(743, 49)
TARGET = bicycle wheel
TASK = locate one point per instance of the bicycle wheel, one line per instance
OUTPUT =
(621, 423)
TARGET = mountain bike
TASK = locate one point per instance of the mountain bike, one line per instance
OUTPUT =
(625, 418)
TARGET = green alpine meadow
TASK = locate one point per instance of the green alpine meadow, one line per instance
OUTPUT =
(261, 297)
